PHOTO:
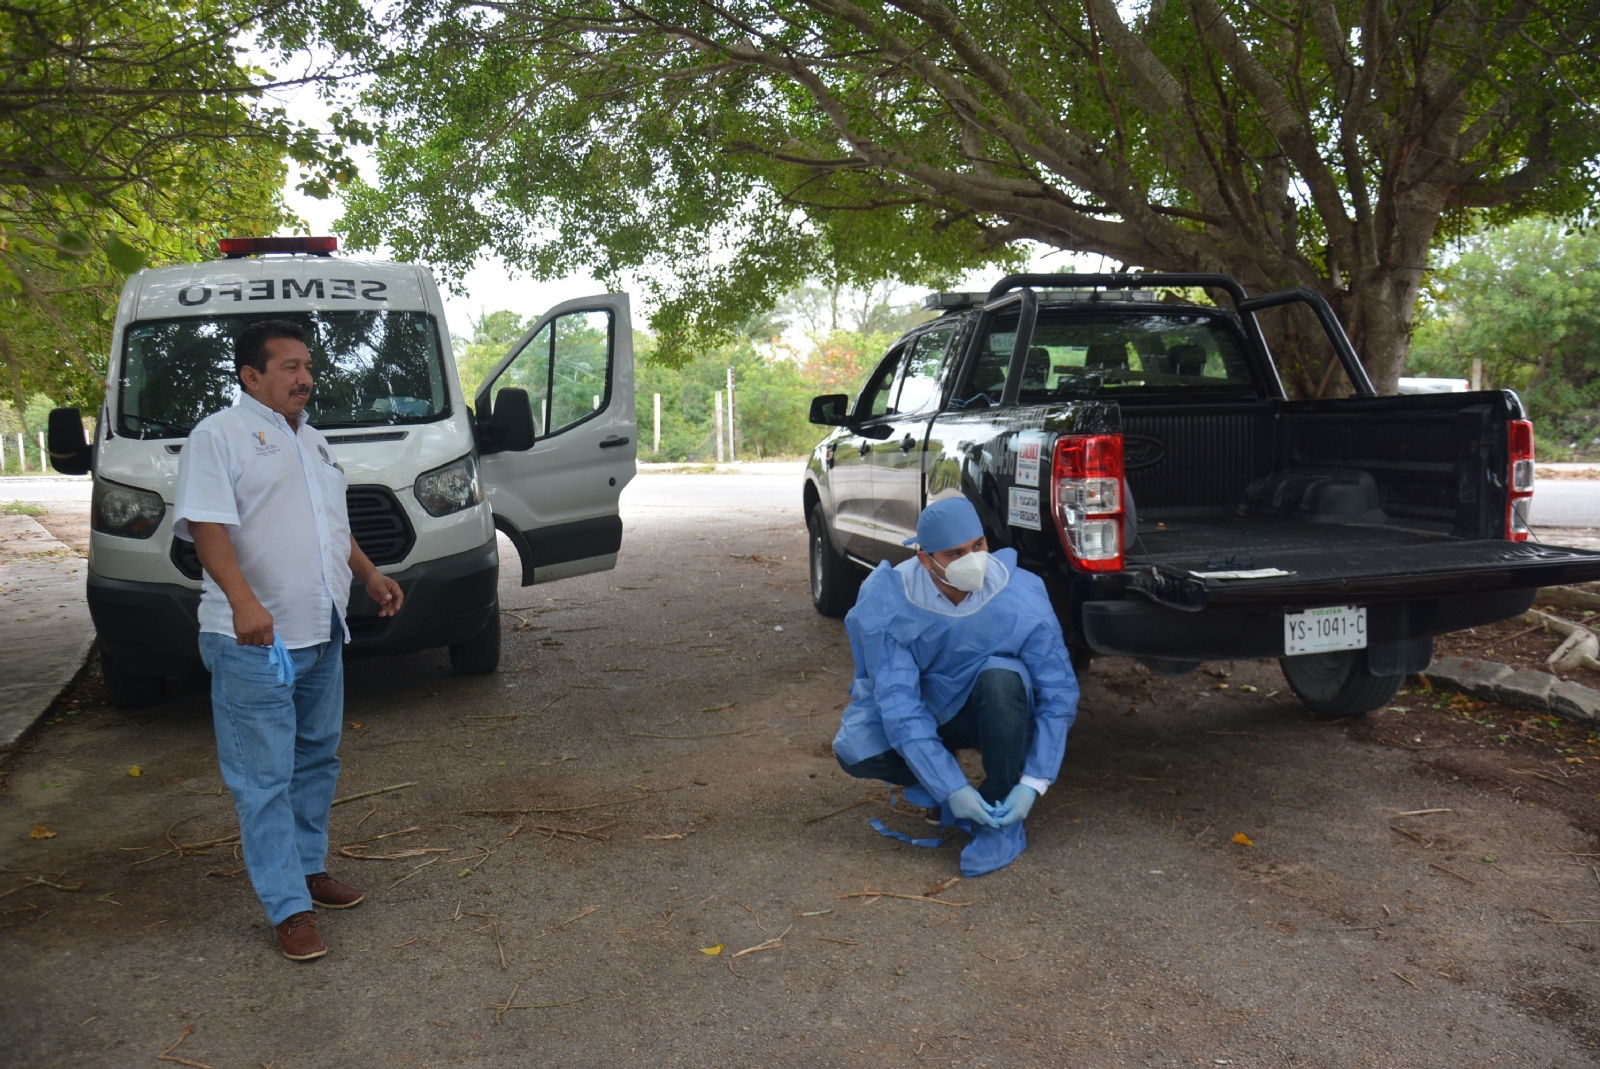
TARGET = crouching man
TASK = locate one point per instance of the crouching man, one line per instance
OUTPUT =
(959, 649)
(260, 496)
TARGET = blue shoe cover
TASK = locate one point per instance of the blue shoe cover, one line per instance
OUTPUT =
(991, 848)
(919, 797)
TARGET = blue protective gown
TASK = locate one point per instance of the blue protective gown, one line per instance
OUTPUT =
(916, 667)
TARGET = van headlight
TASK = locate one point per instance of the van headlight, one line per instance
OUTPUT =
(125, 510)
(449, 489)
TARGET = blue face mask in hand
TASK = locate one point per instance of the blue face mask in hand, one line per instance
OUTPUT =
(278, 658)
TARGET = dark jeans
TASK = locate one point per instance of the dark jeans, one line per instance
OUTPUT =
(995, 721)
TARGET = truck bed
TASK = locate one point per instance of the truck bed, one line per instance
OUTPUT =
(1342, 561)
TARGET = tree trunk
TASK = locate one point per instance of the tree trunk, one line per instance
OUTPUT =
(1378, 318)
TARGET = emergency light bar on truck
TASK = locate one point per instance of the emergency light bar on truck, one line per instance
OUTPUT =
(236, 248)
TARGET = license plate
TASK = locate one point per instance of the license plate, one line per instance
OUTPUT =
(1339, 627)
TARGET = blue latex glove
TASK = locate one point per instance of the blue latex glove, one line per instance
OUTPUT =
(278, 658)
(967, 804)
(1017, 804)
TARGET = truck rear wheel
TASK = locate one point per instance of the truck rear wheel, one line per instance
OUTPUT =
(834, 580)
(1338, 684)
(480, 655)
(129, 690)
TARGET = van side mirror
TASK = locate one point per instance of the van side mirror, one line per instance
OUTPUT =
(70, 452)
(509, 426)
(831, 410)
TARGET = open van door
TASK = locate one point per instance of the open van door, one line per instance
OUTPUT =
(557, 438)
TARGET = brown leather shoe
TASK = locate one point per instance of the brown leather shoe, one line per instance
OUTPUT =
(299, 938)
(329, 893)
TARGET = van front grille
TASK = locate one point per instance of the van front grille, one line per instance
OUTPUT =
(378, 522)
(377, 519)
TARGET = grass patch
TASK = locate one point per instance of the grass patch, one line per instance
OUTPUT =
(22, 508)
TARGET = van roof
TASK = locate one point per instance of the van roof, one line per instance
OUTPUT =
(281, 283)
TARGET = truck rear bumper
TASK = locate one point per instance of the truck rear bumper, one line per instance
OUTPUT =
(1139, 628)
(154, 628)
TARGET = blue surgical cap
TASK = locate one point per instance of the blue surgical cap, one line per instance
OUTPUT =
(946, 524)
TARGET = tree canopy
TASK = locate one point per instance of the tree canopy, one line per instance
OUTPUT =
(130, 133)
(1524, 300)
(722, 153)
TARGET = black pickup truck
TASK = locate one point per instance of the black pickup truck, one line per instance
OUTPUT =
(1338, 535)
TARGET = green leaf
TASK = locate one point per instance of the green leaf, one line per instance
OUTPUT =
(124, 258)
(73, 244)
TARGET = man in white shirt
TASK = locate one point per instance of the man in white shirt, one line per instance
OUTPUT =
(263, 501)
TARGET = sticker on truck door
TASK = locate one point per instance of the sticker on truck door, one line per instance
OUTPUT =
(1030, 447)
(1024, 509)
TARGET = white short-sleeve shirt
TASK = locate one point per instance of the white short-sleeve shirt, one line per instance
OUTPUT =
(281, 497)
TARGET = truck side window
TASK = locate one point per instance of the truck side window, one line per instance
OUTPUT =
(566, 369)
(919, 387)
(877, 397)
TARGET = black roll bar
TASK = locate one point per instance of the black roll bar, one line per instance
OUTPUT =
(1331, 326)
(1122, 281)
(1027, 316)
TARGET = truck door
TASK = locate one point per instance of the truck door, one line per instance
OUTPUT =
(897, 463)
(557, 438)
(855, 507)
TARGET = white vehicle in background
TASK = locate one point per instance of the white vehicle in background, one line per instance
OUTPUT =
(430, 482)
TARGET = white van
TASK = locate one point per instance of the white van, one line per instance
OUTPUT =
(430, 481)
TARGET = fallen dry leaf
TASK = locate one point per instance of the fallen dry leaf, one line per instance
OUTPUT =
(712, 952)
(1241, 839)
(42, 831)
(135, 771)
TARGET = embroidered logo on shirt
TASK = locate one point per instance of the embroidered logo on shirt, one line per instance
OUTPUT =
(264, 448)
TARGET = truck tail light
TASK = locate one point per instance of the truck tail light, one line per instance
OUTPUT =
(1519, 435)
(234, 248)
(1087, 499)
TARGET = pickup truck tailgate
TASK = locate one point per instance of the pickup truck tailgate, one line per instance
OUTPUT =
(1334, 563)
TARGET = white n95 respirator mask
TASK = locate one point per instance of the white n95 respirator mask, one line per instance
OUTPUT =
(967, 573)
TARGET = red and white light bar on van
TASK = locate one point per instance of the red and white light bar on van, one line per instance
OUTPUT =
(1519, 437)
(1087, 499)
(234, 248)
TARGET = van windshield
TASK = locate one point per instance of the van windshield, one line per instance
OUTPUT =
(1077, 355)
(369, 368)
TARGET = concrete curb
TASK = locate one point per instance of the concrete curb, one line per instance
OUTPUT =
(1521, 688)
(45, 630)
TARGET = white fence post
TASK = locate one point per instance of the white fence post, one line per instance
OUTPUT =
(658, 423)
(717, 399)
(44, 457)
(22, 456)
(733, 453)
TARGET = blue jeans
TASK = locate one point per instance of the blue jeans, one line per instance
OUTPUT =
(995, 721)
(278, 748)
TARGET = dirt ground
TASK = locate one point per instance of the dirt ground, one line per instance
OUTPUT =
(1217, 878)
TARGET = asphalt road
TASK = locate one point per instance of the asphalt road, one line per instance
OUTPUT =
(657, 744)
(1557, 502)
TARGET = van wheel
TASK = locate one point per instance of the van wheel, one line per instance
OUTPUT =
(1338, 684)
(480, 655)
(834, 580)
(129, 690)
